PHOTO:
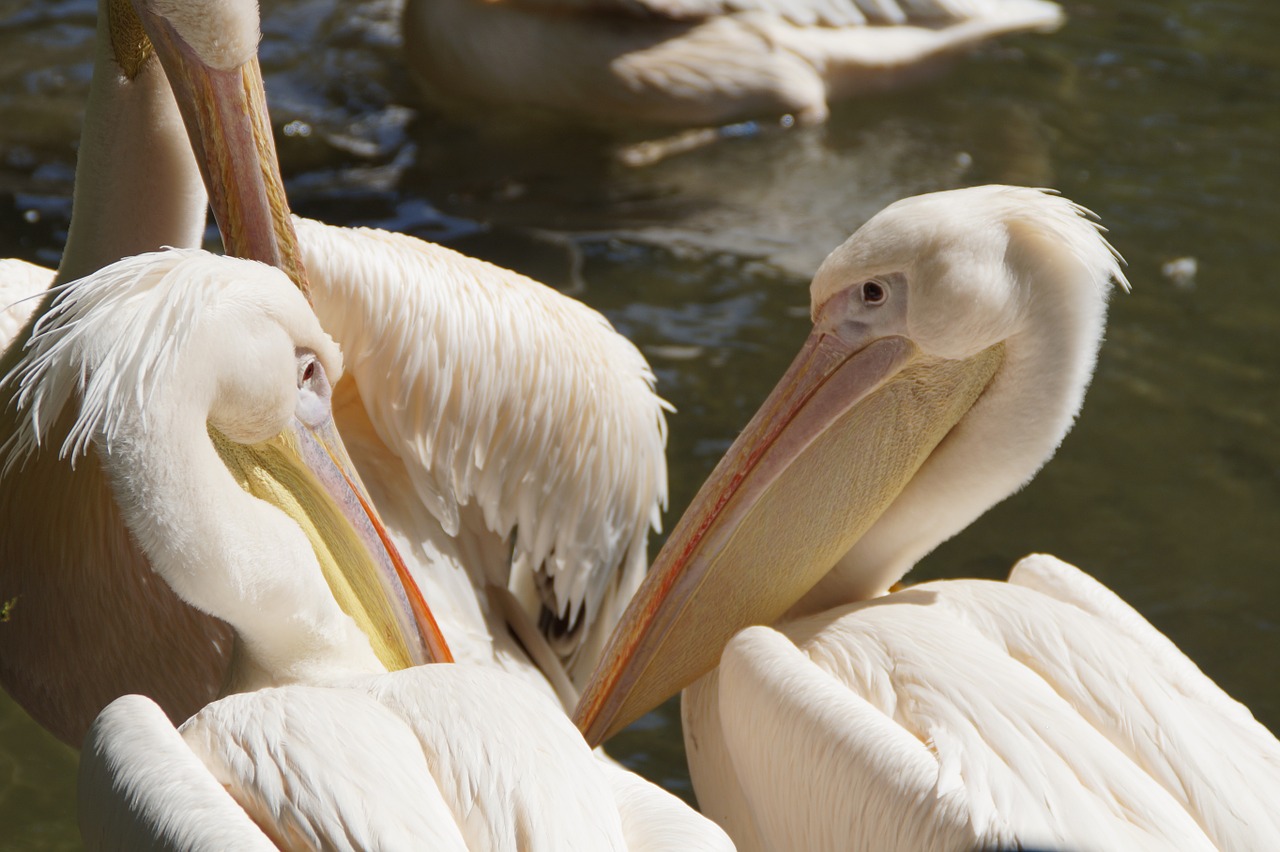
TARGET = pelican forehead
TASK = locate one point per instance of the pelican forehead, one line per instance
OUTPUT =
(973, 259)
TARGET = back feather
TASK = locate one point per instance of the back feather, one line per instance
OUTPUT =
(496, 390)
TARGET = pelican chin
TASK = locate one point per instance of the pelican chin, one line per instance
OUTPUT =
(954, 336)
(830, 419)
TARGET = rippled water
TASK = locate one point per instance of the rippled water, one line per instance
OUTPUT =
(1161, 115)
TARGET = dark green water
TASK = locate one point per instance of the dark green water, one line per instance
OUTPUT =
(1164, 117)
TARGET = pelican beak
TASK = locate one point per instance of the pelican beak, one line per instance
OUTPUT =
(834, 444)
(225, 111)
(306, 473)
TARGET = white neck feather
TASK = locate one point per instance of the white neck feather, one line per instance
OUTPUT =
(1002, 442)
(225, 552)
(137, 184)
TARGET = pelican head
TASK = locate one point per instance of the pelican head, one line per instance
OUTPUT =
(954, 336)
(203, 383)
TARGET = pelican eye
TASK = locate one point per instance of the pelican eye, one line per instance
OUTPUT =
(314, 392)
(874, 293)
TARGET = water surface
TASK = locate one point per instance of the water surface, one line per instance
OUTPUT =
(1161, 116)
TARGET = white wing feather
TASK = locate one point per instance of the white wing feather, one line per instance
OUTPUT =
(442, 757)
(141, 787)
(497, 392)
(653, 820)
(507, 760)
(821, 768)
(323, 768)
(989, 713)
(1025, 760)
(1057, 579)
(1133, 685)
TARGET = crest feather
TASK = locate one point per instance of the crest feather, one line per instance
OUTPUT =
(1076, 226)
(106, 339)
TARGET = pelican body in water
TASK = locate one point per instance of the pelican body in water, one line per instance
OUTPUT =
(954, 336)
(314, 745)
(512, 436)
(691, 62)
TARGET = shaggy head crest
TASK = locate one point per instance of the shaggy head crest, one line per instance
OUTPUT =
(110, 339)
(1075, 227)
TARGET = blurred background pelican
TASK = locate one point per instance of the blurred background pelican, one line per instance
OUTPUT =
(1158, 116)
(691, 62)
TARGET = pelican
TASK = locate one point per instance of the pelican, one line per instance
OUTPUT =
(314, 745)
(954, 336)
(520, 480)
(513, 438)
(691, 62)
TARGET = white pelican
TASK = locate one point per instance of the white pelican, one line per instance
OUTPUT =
(316, 746)
(510, 434)
(521, 477)
(954, 336)
(691, 62)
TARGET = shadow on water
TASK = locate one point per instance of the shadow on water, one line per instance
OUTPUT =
(1161, 116)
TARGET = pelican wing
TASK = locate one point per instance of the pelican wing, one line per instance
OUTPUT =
(503, 399)
(507, 760)
(1067, 583)
(1054, 677)
(141, 788)
(1129, 682)
(321, 768)
(819, 767)
(983, 749)
(813, 13)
